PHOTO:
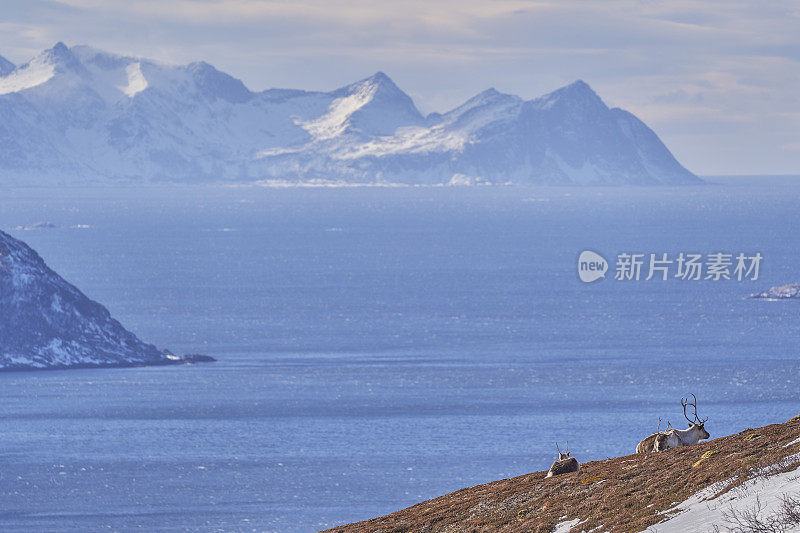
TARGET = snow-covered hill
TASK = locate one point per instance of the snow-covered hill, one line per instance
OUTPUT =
(79, 115)
(48, 323)
(769, 501)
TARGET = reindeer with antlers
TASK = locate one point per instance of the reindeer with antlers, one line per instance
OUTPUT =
(565, 463)
(674, 438)
(656, 439)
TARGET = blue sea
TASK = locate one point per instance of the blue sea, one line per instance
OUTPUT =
(381, 346)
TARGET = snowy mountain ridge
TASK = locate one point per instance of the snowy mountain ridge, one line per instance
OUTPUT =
(79, 115)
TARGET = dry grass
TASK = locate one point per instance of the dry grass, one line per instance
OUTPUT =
(624, 494)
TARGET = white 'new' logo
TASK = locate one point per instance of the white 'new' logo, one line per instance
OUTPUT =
(591, 266)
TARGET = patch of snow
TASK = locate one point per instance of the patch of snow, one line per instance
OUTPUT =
(136, 80)
(411, 140)
(271, 152)
(795, 441)
(27, 76)
(566, 526)
(702, 512)
(461, 180)
(335, 121)
(55, 304)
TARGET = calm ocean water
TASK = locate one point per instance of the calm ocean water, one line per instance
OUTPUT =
(378, 347)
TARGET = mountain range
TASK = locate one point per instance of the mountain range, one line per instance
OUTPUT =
(77, 115)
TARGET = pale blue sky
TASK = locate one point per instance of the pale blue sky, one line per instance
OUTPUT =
(717, 80)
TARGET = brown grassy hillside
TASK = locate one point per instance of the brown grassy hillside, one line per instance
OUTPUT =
(624, 494)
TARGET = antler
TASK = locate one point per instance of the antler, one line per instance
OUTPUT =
(557, 448)
(686, 403)
(567, 446)
(703, 421)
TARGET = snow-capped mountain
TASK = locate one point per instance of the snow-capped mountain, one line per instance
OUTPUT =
(79, 115)
(48, 323)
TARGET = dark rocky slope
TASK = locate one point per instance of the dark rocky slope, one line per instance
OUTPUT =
(45, 322)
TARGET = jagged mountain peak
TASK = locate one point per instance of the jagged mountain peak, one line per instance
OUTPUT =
(59, 49)
(483, 108)
(215, 84)
(39, 70)
(61, 56)
(379, 79)
(371, 106)
(81, 77)
(577, 93)
(378, 87)
(6, 66)
(83, 68)
(579, 85)
(576, 89)
(382, 83)
(490, 96)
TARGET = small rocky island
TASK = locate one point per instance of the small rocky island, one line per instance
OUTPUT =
(45, 322)
(782, 292)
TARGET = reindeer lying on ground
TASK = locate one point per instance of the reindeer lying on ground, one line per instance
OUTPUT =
(565, 463)
(674, 438)
(656, 439)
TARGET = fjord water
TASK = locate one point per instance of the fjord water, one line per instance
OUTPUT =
(378, 347)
